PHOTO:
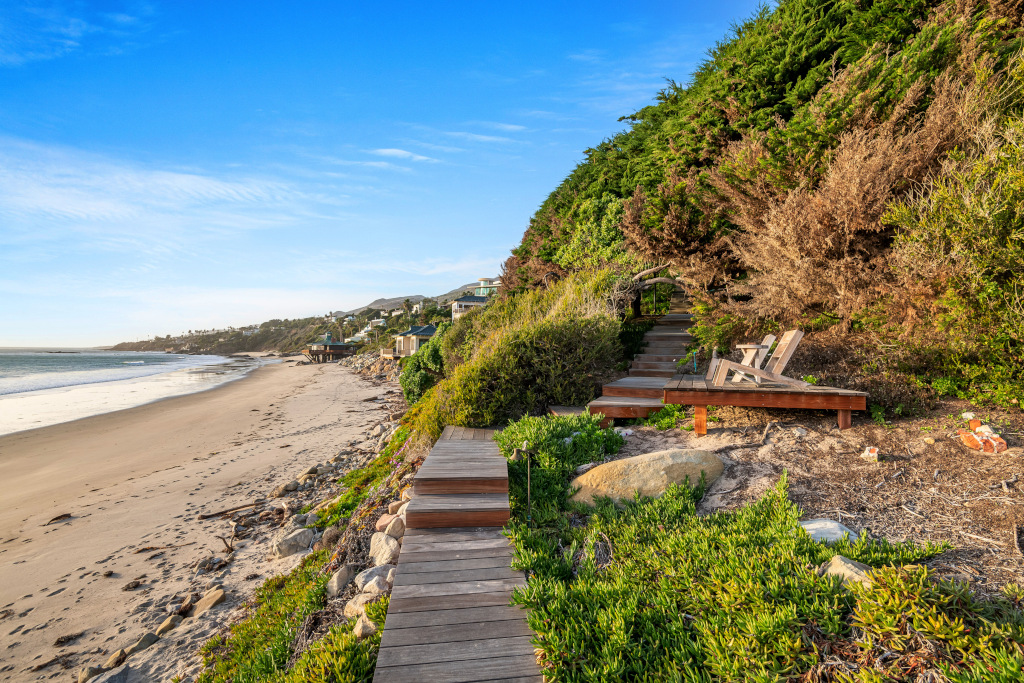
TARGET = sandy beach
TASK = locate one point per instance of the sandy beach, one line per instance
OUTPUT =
(139, 478)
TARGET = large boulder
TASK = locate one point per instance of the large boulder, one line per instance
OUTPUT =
(650, 474)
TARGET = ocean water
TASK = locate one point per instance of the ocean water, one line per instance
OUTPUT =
(42, 387)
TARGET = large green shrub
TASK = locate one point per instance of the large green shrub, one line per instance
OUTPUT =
(423, 369)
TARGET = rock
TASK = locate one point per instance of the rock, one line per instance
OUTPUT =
(169, 624)
(827, 530)
(870, 454)
(383, 522)
(929, 440)
(357, 605)
(116, 659)
(585, 468)
(311, 470)
(279, 492)
(363, 627)
(294, 542)
(89, 673)
(324, 469)
(377, 431)
(340, 579)
(967, 416)
(366, 576)
(306, 478)
(298, 520)
(142, 643)
(846, 569)
(383, 549)
(396, 528)
(393, 506)
(291, 486)
(378, 585)
(118, 675)
(402, 509)
(407, 494)
(391, 577)
(212, 598)
(312, 519)
(650, 473)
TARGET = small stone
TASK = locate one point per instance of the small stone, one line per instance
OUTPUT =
(827, 530)
(209, 601)
(870, 454)
(402, 509)
(383, 522)
(340, 579)
(368, 575)
(967, 416)
(396, 528)
(116, 659)
(393, 506)
(406, 495)
(799, 431)
(305, 479)
(279, 492)
(377, 431)
(324, 469)
(378, 585)
(291, 486)
(846, 569)
(363, 627)
(391, 577)
(293, 542)
(357, 605)
(929, 440)
(582, 469)
(89, 672)
(169, 624)
(383, 549)
(299, 520)
(118, 675)
(142, 643)
(312, 519)
(311, 470)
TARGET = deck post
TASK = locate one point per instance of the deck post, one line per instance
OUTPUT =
(845, 419)
(700, 420)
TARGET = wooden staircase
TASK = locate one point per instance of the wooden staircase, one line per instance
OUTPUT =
(641, 393)
(449, 619)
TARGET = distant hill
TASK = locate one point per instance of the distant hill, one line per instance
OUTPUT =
(397, 301)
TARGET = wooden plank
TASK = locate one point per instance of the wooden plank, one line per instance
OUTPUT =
(762, 399)
(453, 502)
(455, 575)
(454, 534)
(450, 565)
(459, 588)
(449, 485)
(845, 419)
(700, 420)
(401, 604)
(494, 669)
(454, 633)
(390, 657)
(445, 518)
(464, 615)
(447, 433)
(438, 555)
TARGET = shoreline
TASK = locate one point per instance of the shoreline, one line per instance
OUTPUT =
(137, 478)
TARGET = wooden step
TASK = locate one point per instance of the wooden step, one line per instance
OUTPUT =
(457, 510)
(674, 319)
(636, 387)
(648, 365)
(659, 358)
(665, 349)
(668, 333)
(653, 373)
(622, 406)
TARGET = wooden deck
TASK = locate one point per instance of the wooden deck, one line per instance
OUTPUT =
(449, 618)
(696, 391)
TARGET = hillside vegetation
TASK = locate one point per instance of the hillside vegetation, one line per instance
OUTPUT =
(848, 167)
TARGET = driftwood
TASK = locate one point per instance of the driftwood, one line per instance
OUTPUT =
(224, 512)
(228, 547)
(644, 273)
(66, 515)
(644, 284)
(150, 548)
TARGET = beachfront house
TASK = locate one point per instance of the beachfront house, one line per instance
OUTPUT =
(487, 286)
(409, 342)
(464, 304)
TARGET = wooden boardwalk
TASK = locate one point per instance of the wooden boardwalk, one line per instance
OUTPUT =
(449, 618)
(699, 392)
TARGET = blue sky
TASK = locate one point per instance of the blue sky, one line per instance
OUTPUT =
(176, 165)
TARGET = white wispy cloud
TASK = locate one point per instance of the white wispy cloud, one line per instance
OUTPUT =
(401, 154)
(476, 137)
(496, 125)
(34, 31)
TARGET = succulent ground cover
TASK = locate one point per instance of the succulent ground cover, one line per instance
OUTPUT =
(652, 590)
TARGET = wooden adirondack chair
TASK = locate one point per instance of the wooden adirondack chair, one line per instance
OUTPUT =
(753, 356)
(772, 370)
